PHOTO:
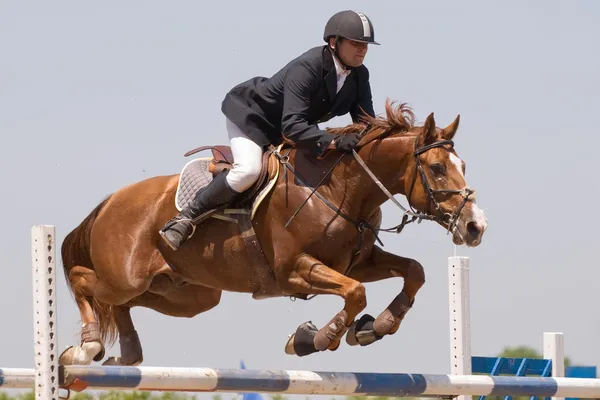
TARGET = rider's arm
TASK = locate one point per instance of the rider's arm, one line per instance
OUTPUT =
(299, 82)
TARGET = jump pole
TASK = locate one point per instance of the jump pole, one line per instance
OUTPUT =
(47, 377)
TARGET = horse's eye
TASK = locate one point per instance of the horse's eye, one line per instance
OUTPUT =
(438, 168)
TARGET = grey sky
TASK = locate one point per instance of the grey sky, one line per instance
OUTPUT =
(94, 96)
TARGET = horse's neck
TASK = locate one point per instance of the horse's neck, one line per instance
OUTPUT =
(354, 190)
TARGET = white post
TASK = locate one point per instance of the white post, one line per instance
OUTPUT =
(43, 255)
(460, 317)
(554, 349)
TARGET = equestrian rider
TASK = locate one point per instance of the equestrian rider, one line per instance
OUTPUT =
(324, 82)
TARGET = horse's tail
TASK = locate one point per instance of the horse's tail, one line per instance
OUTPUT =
(75, 251)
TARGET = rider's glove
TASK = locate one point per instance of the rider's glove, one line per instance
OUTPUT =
(346, 142)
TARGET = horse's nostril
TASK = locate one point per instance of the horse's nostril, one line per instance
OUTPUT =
(473, 229)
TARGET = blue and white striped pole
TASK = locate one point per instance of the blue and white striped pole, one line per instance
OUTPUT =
(246, 395)
(310, 382)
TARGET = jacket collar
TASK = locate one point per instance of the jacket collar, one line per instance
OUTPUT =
(331, 71)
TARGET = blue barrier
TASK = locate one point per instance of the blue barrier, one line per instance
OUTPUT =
(496, 366)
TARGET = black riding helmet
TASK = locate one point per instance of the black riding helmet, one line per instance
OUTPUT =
(352, 25)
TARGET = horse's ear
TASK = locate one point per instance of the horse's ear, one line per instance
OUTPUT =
(449, 131)
(429, 131)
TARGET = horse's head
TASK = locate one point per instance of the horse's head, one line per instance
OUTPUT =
(438, 185)
(432, 176)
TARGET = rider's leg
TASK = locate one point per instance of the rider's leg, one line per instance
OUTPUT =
(247, 159)
(223, 189)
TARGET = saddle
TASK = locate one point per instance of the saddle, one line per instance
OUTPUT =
(200, 171)
(222, 158)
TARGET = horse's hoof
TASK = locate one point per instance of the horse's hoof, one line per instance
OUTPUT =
(81, 355)
(361, 332)
(66, 357)
(301, 343)
(289, 346)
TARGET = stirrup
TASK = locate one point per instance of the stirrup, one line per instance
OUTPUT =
(163, 233)
(175, 220)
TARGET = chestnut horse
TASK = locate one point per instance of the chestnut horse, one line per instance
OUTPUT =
(115, 259)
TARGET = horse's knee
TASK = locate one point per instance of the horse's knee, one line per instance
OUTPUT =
(416, 273)
(357, 294)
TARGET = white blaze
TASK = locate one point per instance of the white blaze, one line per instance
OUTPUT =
(477, 213)
(457, 163)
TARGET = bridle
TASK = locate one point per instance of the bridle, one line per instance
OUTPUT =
(444, 218)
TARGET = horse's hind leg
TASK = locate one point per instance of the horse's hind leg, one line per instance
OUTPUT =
(92, 345)
(382, 265)
(167, 298)
(187, 301)
(100, 320)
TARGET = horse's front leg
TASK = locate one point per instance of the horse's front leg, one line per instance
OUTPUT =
(382, 265)
(310, 276)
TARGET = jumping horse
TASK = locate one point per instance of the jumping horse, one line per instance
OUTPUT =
(276, 241)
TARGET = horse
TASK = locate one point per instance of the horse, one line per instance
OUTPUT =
(274, 242)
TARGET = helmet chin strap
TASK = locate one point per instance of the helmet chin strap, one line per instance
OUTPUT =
(337, 54)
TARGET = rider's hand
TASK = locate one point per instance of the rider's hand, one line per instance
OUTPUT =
(346, 142)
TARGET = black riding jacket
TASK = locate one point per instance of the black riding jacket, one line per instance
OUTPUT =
(298, 97)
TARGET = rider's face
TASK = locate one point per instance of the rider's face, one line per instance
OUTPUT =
(351, 52)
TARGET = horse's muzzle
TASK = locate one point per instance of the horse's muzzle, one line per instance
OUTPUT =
(470, 226)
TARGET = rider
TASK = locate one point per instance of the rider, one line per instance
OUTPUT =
(324, 82)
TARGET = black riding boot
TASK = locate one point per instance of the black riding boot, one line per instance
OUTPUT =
(181, 227)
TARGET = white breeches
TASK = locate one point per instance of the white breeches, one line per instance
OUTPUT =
(247, 157)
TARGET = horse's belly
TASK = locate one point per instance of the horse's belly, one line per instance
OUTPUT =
(216, 256)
